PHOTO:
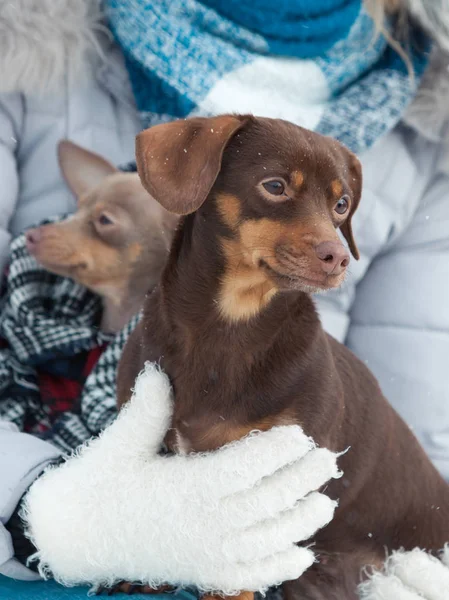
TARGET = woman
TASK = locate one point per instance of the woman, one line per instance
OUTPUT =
(333, 65)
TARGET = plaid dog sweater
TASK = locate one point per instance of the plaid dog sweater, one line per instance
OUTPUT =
(57, 369)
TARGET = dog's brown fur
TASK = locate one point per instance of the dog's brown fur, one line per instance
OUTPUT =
(117, 242)
(234, 327)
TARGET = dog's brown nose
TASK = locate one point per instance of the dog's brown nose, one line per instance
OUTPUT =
(32, 238)
(333, 256)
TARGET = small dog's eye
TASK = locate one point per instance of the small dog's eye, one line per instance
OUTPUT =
(342, 205)
(104, 220)
(274, 187)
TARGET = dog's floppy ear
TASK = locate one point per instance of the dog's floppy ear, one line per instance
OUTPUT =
(355, 183)
(178, 162)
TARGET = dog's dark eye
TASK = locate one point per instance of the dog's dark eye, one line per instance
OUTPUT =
(104, 220)
(274, 187)
(342, 205)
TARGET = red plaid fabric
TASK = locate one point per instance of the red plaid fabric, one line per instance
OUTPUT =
(61, 393)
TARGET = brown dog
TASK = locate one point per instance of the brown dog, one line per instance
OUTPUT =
(117, 242)
(234, 327)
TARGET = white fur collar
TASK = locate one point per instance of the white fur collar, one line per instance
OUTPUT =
(433, 16)
(429, 112)
(42, 40)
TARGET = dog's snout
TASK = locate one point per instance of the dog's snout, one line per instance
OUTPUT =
(333, 256)
(32, 238)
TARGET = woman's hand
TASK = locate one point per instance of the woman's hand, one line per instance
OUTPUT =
(414, 575)
(223, 521)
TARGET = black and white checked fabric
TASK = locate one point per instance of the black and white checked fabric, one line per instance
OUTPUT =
(46, 317)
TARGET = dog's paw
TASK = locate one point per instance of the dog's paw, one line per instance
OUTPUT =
(132, 588)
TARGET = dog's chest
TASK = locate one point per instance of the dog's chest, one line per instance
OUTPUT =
(212, 432)
(208, 417)
(204, 418)
(225, 389)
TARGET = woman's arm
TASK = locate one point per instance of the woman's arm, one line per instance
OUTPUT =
(22, 459)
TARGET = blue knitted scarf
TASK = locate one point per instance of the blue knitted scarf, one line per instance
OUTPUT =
(317, 63)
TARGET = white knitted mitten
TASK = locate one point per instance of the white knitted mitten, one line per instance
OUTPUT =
(414, 575)
(222, 521)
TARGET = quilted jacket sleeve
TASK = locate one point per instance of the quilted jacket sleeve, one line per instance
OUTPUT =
(22, 458)
(400, 322)
(11, 118)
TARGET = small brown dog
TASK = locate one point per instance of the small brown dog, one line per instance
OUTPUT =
(233, 325)
(117, 242)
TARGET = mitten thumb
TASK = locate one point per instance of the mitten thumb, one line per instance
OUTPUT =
(142, 423)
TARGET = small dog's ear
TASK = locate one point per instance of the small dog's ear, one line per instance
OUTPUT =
(81, 168)
(355, 183)
(179, 162)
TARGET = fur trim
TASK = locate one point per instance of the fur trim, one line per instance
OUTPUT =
(429, 112)
(434, 17)
(41, 39)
